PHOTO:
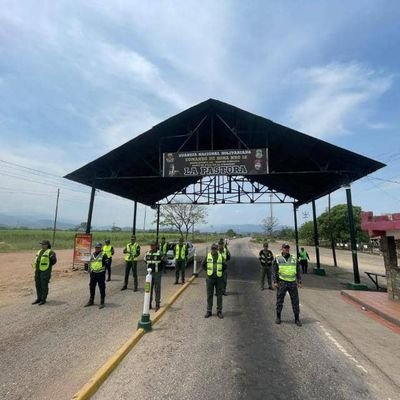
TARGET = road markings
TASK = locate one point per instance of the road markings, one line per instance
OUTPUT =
(342, 349)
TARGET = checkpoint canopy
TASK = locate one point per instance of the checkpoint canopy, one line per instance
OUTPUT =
(216, 138)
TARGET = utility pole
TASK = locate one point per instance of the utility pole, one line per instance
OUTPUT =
(55, 218)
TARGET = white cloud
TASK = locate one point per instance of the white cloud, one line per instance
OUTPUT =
(334, 94)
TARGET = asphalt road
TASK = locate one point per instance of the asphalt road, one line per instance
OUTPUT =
(245, 355)
(50, 352)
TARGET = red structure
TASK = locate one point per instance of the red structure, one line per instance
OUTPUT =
(382, 225)
(388, 228)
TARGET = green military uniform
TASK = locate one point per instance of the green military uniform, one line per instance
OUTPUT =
(132, 252)
(226, 255)
(181, 253)
(43, 263)
(266, 259)
(214, 265)
(153, 260)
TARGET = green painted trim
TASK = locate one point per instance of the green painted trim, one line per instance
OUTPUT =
(356, 286)
(319, 271)
(145, 323)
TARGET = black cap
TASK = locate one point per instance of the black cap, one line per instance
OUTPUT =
(98, 244)
(46, 242)
(214, 246)
(107, 240)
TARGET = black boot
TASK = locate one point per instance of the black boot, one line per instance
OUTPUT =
(297, 320)
(37, 301)
(89, 303)
(278, 318)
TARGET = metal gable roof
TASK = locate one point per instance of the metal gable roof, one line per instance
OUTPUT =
(300, 166)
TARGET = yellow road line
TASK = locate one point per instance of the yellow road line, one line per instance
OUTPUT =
(91, 387)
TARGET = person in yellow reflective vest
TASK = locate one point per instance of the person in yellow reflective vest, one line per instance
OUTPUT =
(181, 252)
(108, 250)
(223, 249)
(132, 252)
(214, 265)
(287, 278)
(163, 247)
(43, 263)
(153, 260)
(304, 258)
(97, 270)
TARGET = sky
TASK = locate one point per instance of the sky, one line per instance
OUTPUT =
(80, 78)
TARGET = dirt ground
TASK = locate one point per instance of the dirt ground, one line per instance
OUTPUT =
(17, 276)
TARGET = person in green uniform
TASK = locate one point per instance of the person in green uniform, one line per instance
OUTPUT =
(132, 252)
(108, 250)
(163, 247)
(153, 260)
(181, 252)
(266, 260)
(223, 249)
(97, 270)
(214, 265)
(43, 263)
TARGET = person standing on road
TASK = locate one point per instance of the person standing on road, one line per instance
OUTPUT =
(132, 252)
(214, 265)
(153, 260)
(97, 270)
(304, 258)
(44, 261)
(226, 255)
(163, 247)
(266, 259)
(181, 252)
(109, 252)
(287, 278)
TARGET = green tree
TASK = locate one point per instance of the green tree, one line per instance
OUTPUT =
(306, 232)
(340, 224)
(230, 233)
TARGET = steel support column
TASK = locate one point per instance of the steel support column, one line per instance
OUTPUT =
(316, 237)
(296, 232)
(90, 212)
(158, 222)
(352, 236)
(134, 218)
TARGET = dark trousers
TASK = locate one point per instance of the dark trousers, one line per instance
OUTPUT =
(42, 279)
(266, 271)
(180, 266)
(98, 278)
(156, 287)
(290, 287)
(225, 281)
(304, 266)
(131, 265)
(217, 284)
(108, 268)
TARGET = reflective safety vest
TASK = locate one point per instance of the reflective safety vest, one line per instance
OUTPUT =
(44, 262)
(96, 265)
(224, 253)
(153, 259)
(107, 250)
(287, 269)
(180, 255)
(131, 252)
(303, 255)
(163, 249)
(210, 264)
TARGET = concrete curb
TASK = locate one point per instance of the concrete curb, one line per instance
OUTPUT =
(91, 387)
(371, 308)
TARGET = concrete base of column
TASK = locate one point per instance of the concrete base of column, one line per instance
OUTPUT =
(145, 323)
(357, 286)
(319, 271)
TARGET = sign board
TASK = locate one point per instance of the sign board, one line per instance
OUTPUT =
(82, 248)
(216, 162)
